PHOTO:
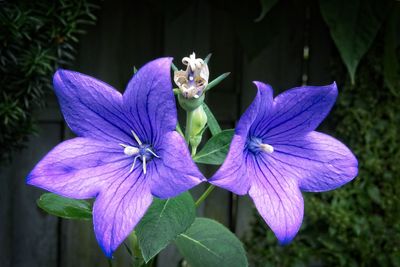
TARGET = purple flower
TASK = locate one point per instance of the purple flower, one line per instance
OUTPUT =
(275, 153)
(127, 151)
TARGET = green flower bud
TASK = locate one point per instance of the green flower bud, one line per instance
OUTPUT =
(199, 122)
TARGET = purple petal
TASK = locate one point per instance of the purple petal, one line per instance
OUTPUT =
(80, 168)
(149, 101)
(119, 208)
(90, 107)
(319, 162)
(277, 198)
(232, 175)
(174, 172)
(296, 111)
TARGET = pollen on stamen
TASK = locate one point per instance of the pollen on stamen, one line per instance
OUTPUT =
(267, 148)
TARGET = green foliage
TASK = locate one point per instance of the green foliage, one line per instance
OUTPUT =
(66, 208)
(359, 224)
(209, 243)
(211, 121)
(163, 222)
(36, 37)
(215, 150)
(353, 26)
(266, 6)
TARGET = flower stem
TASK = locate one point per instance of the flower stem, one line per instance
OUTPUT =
(204, 195)
(188, 129)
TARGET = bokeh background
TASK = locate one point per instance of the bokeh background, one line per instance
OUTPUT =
(285, 43)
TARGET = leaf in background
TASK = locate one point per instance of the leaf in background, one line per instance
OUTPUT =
(209, 243)
(391, 67)
(163, 222)
(215, 150)
(211, 121)
(353, 26)
(266, 6)
(216, 81)
(63, 207)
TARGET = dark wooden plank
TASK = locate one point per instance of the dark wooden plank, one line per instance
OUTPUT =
(278, 64)
(186, 31)
(34, 234)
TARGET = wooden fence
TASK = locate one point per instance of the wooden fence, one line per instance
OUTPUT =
(130, 33)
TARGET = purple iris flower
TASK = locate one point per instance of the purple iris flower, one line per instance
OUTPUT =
(275, 153)
(127, 151)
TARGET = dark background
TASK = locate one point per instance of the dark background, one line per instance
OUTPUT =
(131, 33)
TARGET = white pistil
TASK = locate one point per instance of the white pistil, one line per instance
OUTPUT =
(267, 148)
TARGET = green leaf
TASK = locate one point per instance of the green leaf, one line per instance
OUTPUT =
(211, 121)
(163, 222)
(63, 207)
(353, 26)
(217, 80)
(266, 6)
(391, 66)
(209, 243)
(215, 150)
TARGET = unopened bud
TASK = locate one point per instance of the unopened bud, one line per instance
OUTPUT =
(199, 121)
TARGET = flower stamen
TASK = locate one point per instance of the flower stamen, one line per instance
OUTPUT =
(144, 152)
(144, 164)
(136, 137)
(267, 148)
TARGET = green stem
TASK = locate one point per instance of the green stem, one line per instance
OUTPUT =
(194, 151)
(188, 129)
(204, 195)
(135, 249)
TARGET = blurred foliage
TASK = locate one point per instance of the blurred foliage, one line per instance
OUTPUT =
(36, 37)
(358, 224)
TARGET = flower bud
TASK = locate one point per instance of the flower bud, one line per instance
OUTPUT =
(192, 82)
(199, 122)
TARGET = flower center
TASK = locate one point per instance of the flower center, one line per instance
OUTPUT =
(256, 146)
(143, 152)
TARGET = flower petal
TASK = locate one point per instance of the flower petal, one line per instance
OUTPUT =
(90, 107)
(277, 198)
(119, 208)
(149, 100)
(232, 175)
(80, 168)
(318, 161)
(174, 172)
(296, 111)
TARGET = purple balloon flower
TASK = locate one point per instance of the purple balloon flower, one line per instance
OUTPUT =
(127, 151)
(275, 153)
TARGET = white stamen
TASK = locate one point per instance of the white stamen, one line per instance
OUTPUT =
(123, 145)
(144, 164)
(154, 154)
(131, 150)
(133, 165)
(136, 137)
(196, 96)
(267, 148)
